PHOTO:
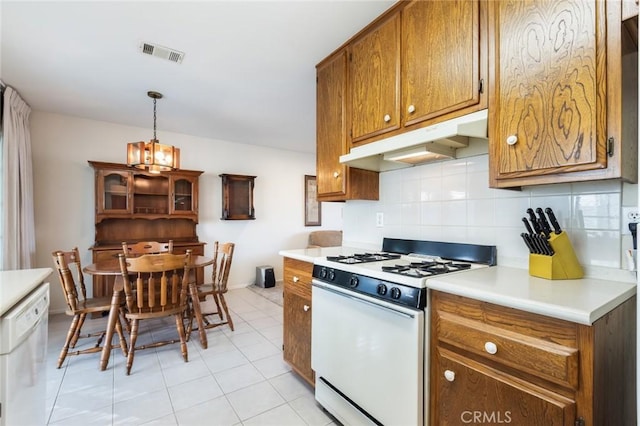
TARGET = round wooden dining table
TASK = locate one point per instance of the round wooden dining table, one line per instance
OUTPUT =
(112, 267)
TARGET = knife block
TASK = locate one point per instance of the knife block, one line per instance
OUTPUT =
(563, 265)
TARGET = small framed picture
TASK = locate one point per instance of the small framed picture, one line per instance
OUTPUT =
(312, 208)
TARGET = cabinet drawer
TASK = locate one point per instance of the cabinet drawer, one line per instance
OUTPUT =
(297, 277)
(297, 271)
(533, 344)
(467, 387)
(547, 360)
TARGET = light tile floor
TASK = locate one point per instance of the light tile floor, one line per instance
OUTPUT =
(240, 379)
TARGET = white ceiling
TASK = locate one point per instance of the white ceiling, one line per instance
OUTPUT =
(248, 74)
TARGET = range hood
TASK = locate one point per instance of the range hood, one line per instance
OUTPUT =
(437, 142)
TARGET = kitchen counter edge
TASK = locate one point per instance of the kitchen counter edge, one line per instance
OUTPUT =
(310, 254)
(16, 284)
(582, 301)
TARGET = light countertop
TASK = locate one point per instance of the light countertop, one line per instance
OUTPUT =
(15, 285)
(310, 254)
(582, 301)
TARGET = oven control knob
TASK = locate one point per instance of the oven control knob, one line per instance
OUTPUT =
(353, 281)
(332, 275)
(395, 293)
(323, 273)
(382, 289)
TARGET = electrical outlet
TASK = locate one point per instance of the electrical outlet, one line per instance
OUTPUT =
(629, 215)
(379, 220)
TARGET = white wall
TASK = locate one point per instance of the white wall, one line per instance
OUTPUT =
(64, 191)
(451, 201)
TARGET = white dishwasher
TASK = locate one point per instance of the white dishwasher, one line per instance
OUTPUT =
(23, 350)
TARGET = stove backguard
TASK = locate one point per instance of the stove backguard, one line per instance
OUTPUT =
(462, 252)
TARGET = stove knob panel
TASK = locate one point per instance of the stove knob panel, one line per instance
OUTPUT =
(354, 281)
(381, 289)
(331, 275)
(395, 293)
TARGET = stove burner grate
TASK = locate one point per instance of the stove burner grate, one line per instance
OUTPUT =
(427, 268)
(363, 257)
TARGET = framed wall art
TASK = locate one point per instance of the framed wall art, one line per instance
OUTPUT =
(312, 207)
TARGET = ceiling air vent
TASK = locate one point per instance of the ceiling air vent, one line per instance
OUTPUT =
(162, 52)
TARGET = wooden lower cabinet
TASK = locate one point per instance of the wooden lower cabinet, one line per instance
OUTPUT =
(297, 317)
(493, 397)
(491, 364)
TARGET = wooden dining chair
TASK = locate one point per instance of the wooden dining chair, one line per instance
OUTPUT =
(71, 278)
(222, 258)
(155, 286)
(146, 247)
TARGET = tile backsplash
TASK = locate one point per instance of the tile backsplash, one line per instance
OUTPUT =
(451, 201)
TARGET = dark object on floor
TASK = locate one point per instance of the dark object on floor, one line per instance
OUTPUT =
(265, 277)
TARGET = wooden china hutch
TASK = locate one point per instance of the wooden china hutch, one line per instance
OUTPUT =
(134, 205)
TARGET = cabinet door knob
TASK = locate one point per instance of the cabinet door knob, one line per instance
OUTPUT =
(306, 308)
(336, 174)
(295, 279)
(411, 109)
(511, 140)
(387, 118)
(491, 348)
(449, 375)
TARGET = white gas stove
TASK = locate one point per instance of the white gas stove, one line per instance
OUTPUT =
(369, 325)
(410, 269)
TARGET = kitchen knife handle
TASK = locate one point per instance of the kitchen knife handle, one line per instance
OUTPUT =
(527, 225)
(545, 246)
(549, 248)
(527, 242)
(536, 242)
(545, 230)
(543, 222)
(554, 221)
(534, 220)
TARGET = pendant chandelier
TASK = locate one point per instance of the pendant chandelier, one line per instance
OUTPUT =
(153, 156)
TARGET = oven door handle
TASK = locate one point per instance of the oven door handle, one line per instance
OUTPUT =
(361, 300)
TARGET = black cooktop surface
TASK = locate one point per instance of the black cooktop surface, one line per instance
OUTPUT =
(363, 257)
(427, 268)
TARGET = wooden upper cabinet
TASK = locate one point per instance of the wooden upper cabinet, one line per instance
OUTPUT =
(124, 192)
(557, 80)
(184, 195)
(331, 125)
(440, 67)
(237, 197)
(336, 181)
(374, 80)
(113, 192)
(409, 69)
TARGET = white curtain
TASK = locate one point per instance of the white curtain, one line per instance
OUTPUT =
(18, 229)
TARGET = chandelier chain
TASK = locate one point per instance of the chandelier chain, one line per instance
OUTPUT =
(154, 119)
